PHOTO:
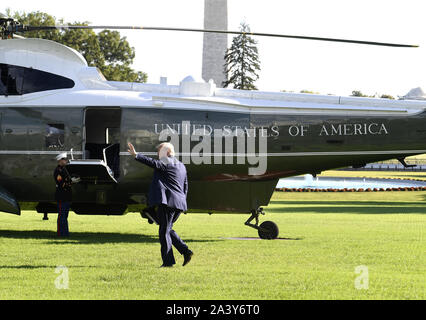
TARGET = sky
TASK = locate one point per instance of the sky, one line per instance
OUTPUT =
(286, 64)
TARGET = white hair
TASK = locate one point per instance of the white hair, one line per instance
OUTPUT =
(167, 148)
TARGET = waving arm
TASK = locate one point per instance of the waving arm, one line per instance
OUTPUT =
(150, 162)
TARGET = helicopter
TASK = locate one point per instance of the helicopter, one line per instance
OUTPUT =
(236, 144)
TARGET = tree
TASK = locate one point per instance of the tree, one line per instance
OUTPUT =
(242, 61)
(309, 91)
(357, 93)
(387, 96)
(118, 56)
(107, 50)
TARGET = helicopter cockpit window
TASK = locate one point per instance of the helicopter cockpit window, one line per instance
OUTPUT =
(55, 137)
(16, 80)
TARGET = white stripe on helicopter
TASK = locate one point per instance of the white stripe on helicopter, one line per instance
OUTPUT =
(272, 154)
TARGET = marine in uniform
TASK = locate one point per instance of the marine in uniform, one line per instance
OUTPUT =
(63, 194)
(167, 193)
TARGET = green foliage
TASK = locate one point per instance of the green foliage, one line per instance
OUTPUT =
(242, 61)
(38, 19)
(107, 50)
(357, 93)
(309, 91)
(387, 96)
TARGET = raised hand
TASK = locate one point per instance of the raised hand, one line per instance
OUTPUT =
(131, 149)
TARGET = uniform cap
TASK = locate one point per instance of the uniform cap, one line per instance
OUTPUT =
(61, 156)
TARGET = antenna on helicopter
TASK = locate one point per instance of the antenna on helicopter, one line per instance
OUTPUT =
(9, 26)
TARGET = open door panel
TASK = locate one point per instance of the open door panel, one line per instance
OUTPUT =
(91, 171)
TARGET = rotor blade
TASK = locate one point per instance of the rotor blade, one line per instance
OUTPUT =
(374, 43)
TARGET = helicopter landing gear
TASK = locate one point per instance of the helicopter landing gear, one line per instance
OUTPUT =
(267, 229)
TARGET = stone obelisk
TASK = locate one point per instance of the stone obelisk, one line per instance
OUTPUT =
(215, 45)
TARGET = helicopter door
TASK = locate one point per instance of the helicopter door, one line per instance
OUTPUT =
(101, 145)
(91, 171)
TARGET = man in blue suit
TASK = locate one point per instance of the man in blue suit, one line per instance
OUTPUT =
(167, 192)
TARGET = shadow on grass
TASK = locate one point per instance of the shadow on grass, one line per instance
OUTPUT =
(39, 267)
(256, 238)
(85, 237)
(352, 207)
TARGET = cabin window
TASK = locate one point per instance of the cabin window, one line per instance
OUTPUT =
(55, 136)
(17, 80)
(112, 135)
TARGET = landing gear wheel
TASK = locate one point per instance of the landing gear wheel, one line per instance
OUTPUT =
(268, 230)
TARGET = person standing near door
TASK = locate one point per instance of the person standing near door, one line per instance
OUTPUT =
(63, 193)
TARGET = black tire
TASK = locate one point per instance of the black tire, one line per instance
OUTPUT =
(268, 230)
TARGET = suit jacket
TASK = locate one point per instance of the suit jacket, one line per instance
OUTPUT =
(169, 184)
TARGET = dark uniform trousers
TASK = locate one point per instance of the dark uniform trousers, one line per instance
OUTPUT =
(168, 237)
(63, 197)
(63, 210)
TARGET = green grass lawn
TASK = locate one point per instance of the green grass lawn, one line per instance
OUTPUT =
(327, 236)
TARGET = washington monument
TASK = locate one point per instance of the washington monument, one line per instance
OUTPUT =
(215, 45)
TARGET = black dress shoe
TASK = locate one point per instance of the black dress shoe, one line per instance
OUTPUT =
(187, 257)
(166, 266)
